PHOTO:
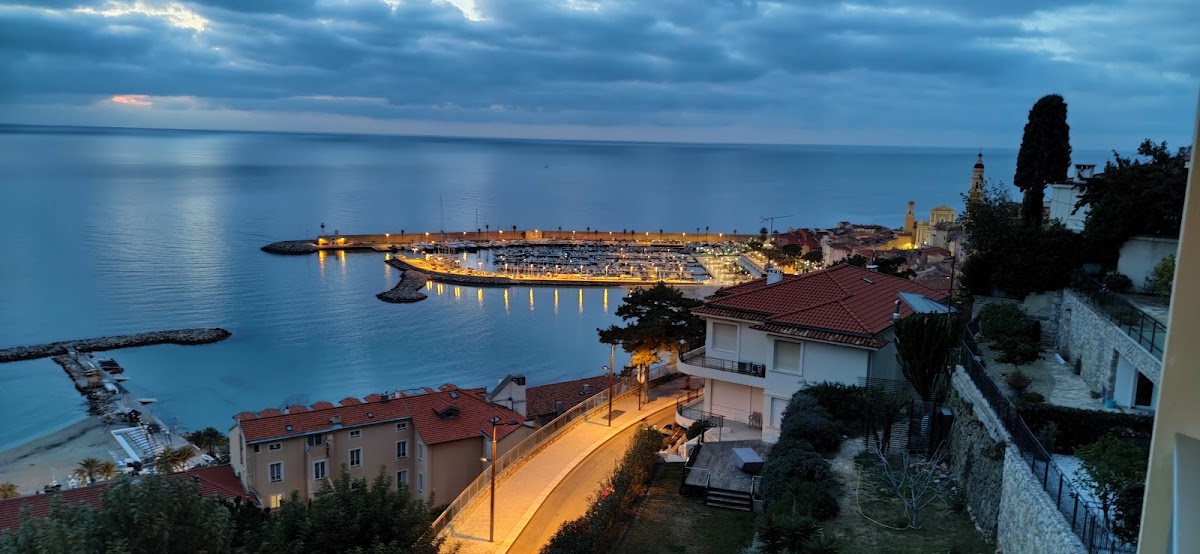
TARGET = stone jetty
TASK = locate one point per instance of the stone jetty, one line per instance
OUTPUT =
(291, 247)
(177, 336)
(408, 289)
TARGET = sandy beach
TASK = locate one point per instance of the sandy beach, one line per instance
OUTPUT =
(31, 465)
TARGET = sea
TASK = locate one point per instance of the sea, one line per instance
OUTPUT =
(112, 231)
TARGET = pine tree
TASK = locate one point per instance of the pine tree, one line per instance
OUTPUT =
(1045, 155)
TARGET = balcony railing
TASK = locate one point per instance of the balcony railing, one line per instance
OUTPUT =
(698, 358)
(1140, 326)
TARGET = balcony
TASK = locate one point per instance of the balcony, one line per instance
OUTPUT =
(698, 364)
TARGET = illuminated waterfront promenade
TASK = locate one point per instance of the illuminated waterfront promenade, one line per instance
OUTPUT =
(496, 238)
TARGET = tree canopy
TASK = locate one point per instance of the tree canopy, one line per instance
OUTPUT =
(1134, 197)
(925, 343)
(1045, 155)
(658, 318)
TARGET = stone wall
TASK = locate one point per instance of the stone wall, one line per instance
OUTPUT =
(1091, 337)
(1045, 307)
(1029, 521)
(1139, 256)
(976, 453)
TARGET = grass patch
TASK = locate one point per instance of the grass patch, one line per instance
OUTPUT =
(941, 531)
(669, 522)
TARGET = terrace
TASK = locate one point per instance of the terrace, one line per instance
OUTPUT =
(695, 361)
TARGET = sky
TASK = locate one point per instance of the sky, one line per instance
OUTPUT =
(872, 72)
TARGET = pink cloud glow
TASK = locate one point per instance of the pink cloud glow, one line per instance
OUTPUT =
(133, 99)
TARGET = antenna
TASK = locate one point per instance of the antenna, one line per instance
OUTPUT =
(773, 218)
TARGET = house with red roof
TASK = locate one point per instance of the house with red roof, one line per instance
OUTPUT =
(432, 441)
(768, 338)
(215, 481)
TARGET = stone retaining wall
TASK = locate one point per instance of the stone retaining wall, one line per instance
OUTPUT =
(1090, 336)
(1029, 521)
(177, 336)
(976, 452)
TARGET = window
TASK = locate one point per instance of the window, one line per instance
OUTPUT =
(402, 478)
(314, 440)
(318, 470)
(356, 457)
(401, 449)
(420, 451)
(256, 449)
(402, 426)
(787, 356)
(724, 337)
(420, 482)
(274, 446)
(276, 500)
(275, 470)
(355, 434)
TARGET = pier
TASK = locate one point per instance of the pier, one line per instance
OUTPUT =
(177, 336)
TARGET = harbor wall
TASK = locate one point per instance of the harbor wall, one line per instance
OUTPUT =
(177, 336)
(483, 280)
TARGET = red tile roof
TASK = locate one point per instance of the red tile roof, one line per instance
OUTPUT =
(421, 405)
(539, 400)
(218, 481)
(847, 302)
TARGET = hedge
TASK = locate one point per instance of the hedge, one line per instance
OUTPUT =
(1078, 427)
(614, 502)
(806, 420)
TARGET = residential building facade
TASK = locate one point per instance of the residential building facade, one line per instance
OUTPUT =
(771, 337)
(433, 441)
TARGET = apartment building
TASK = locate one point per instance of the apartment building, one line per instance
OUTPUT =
(771, 337)
(433, 441)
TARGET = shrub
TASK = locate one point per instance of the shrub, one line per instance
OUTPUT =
(1017, 380)
(1115, 468)
(791, 459)
(1163, 276)
(783, 531)
(1048, 436)
(1078, 427)
(1002, 319)
(845, 403)
(976, 275)
(824, 543)
(1031, 396)
(1017, 349)
(698, 428)
(812, 499)
(806, 420)
(1118, 282)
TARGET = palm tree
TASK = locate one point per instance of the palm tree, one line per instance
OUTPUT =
(171, 460)
(208, 438)
(8, 490)
(87, 469)
(107, 470)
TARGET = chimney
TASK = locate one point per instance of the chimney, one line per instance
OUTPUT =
(586, 388)
(1084, 172)
(336, 420)
(773, 275)
(896, 311)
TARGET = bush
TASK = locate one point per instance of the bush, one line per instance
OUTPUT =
(1077, 427)
(698, 428)
(806, 420)
(812, 499)
(1118, 282)
(976, 275)
(1033, 397)
(844, 403)
(1017, 380)
(1017, 350)
(1163, 276)
(791, 459)
(1003, 319)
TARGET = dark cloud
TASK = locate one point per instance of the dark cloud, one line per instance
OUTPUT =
(867, 69)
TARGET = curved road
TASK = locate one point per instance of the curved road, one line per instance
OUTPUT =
(570, 499)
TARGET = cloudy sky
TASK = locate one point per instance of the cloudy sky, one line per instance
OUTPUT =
(939, 72)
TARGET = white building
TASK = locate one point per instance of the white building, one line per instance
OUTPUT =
(1064, 197)
(771, 337)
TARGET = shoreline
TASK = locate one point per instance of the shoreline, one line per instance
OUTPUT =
(31, 465)
(494, 280)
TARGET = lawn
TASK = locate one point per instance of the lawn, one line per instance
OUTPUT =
(941, 529)
(668, 522)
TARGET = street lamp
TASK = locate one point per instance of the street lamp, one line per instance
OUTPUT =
(612, 351)
(492, 515)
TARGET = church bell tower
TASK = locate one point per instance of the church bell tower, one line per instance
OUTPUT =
(976, 194)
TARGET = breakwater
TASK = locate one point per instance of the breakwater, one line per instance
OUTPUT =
(291, 247)
(500, 238)
(177, 336)
(493, 280)
(408, 289)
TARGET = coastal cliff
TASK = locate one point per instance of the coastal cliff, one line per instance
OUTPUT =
(408, 289)
(177, 336)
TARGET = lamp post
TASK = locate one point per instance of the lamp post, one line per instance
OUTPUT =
(612, 352)
(492, 512)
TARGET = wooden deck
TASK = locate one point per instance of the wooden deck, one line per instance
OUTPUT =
(715, 466)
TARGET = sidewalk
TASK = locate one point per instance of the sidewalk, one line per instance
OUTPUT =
(521, 493)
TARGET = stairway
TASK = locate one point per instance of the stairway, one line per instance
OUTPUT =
(145, 444)
(731, 500)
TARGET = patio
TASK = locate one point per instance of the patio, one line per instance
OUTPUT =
(715, 466)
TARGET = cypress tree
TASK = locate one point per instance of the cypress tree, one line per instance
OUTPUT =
(1045, 155)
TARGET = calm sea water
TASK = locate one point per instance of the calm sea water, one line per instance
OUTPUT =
(118, 231)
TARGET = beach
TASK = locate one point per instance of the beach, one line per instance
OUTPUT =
(31, 465)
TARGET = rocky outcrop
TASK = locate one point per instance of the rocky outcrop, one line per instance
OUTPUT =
(408, 289)
(290, 247)
(177, 336)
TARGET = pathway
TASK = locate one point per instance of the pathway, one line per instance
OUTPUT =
(523, 490)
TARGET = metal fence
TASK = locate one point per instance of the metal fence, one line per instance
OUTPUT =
(1086, 518)
(1147, 331)
(542, 437)
(697, 357)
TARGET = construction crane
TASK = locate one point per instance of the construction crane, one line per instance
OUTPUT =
(772, 221)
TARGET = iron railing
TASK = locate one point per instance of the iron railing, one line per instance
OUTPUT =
(1140, 326)
(698, 358)
(540, 438)
(1086, 518)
